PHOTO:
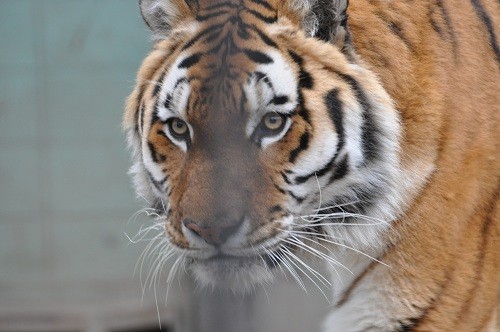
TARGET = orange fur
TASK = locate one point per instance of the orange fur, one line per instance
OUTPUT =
(445, 250)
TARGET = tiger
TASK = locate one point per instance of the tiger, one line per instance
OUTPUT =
(266, 134)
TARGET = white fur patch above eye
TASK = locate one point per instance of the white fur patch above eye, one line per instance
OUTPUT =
(173, 99)
(174, 91)
(272, 88)
(282, 78)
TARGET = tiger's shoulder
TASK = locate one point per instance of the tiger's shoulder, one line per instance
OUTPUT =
(439, 60)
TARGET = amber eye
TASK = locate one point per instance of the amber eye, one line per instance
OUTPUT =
(273, 121)
(178, 128)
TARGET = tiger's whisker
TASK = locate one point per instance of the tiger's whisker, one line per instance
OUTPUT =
(292, 257)
(337, 205)
(327, 237)
(312, 225)
(316, 274)
(330, 260)
(322, 279)
(338, 215)
(286, 263)
(276, 261)
(320, 194)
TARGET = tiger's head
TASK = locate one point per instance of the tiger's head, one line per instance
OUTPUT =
(254, 126)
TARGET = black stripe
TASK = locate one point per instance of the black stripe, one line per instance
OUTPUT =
(154, 154)
(449, 26)
(281, 190)
(275, 208)
(334, 107)
(194, 5)
(162, 133)
(243, 99)
(341, 170)
(279, 100)
(303, 112)
(264, 37)
(167, 102)
(483, 15)
(305, 79)
(257, 56)
(261, 76)
(296, 58)
(201, 34)
(325, 169)
(303, 145)
(142, 110)
(369, 129)
(298, 199)
(371, 146)
(288, 192)
(169, 97)
(217, 47)
(180, 81)
(407, 326)
(285, 178)
(157, 184)
(396, 29)
(155, 118)
(243, 32)
(263, 4)
(201, 18)
(190, 61)
(139, 112)
(157, 204)
(213, 36)
(434, 25)
(158, 85)
(261, 17)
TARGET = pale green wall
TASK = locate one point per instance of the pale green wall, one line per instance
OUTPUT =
(66, 67)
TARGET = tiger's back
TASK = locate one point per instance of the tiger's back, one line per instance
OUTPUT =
(426, 162)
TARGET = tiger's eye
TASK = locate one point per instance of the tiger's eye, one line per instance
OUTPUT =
(179, 128)
(274, 121)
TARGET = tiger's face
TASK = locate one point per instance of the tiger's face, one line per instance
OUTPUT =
(247, 132)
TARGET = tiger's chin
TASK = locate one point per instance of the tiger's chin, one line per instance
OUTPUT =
(237, 274)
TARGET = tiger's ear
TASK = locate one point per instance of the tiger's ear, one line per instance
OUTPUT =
(325, 20)
(161, 16)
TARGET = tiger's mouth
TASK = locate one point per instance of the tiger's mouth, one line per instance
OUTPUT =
(222, 259)
(240, 274)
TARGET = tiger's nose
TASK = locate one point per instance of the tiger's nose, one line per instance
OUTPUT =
(214, 234)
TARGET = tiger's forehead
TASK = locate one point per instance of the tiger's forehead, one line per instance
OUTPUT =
(230, 64)
(210, 10)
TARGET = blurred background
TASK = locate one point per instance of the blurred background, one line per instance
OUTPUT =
(66, 202)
